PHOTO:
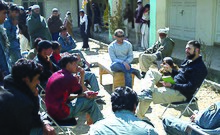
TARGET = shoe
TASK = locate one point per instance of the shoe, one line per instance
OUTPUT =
(86, 49)
(145, 95)
(99, 97)
(82, 49)
(159, 55)
(143, 74)
(100, 101)
(136, 73)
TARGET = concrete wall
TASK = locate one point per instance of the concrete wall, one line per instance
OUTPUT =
(158, 19)
(205, 21)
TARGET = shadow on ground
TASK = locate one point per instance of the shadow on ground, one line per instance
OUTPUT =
(91, 53)
(181, 108)
(108, 88)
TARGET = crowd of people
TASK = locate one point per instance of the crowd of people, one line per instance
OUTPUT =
(53, 64)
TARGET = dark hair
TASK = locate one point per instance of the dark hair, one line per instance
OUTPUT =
(3, 5)
(55, 45)
(124, 98)
(67, 59)
(14, 7)
(195, 44)
(62, 28)
(143, 9)
(147, 6)
(25, 68)
(36, 41)
(44, 44)
(169, 61)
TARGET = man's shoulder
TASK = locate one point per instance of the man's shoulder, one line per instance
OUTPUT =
(170, 40)
(127, 42)
(63, 76)
(5, 94)
(112, 44)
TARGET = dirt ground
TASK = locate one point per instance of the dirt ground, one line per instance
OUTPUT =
(206, 96)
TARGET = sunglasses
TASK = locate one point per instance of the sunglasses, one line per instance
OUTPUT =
(120, 36)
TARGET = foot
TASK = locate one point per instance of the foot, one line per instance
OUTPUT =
(86, 49)
(145, 95)
(137, 73)
(99, 97)
(100, 101)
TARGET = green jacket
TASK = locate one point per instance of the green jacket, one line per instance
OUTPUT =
(37, 27)
(166, 47)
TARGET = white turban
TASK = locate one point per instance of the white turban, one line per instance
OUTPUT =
(35, 7)
(165, 31)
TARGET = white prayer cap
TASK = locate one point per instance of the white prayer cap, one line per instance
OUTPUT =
(165, 31)
(54, 10)
(139, 1)
(35, 7)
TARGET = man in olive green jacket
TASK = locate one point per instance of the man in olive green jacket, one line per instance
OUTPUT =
(162, 48)
(37, 26)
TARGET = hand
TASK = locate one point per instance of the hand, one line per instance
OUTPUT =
(166, 84)
(192, 118)
(127, 66)
(91, 94)
(77, 77)
(48, 130)
(81, 71)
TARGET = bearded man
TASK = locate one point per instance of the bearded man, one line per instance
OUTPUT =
(187, 79)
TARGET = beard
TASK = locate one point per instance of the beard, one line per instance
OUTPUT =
(191, 56)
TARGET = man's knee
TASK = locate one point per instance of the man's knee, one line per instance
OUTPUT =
(115, 66)
(174, 125)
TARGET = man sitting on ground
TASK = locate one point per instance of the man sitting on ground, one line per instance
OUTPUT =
(63, 83)
(162, 48)
(121, 54)
(124, 102)
(187, 79)
(206, 121)
(19, 104)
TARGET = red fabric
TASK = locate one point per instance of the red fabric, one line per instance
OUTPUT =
(59, 87)
(57, 57)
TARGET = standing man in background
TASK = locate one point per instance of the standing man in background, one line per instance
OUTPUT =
(83, 29)
(12, 34)
(37, 26)
(137, 25)
(4, 44)
(54, 23)
(128, 18)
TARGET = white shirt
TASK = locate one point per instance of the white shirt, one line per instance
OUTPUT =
(84, 19)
